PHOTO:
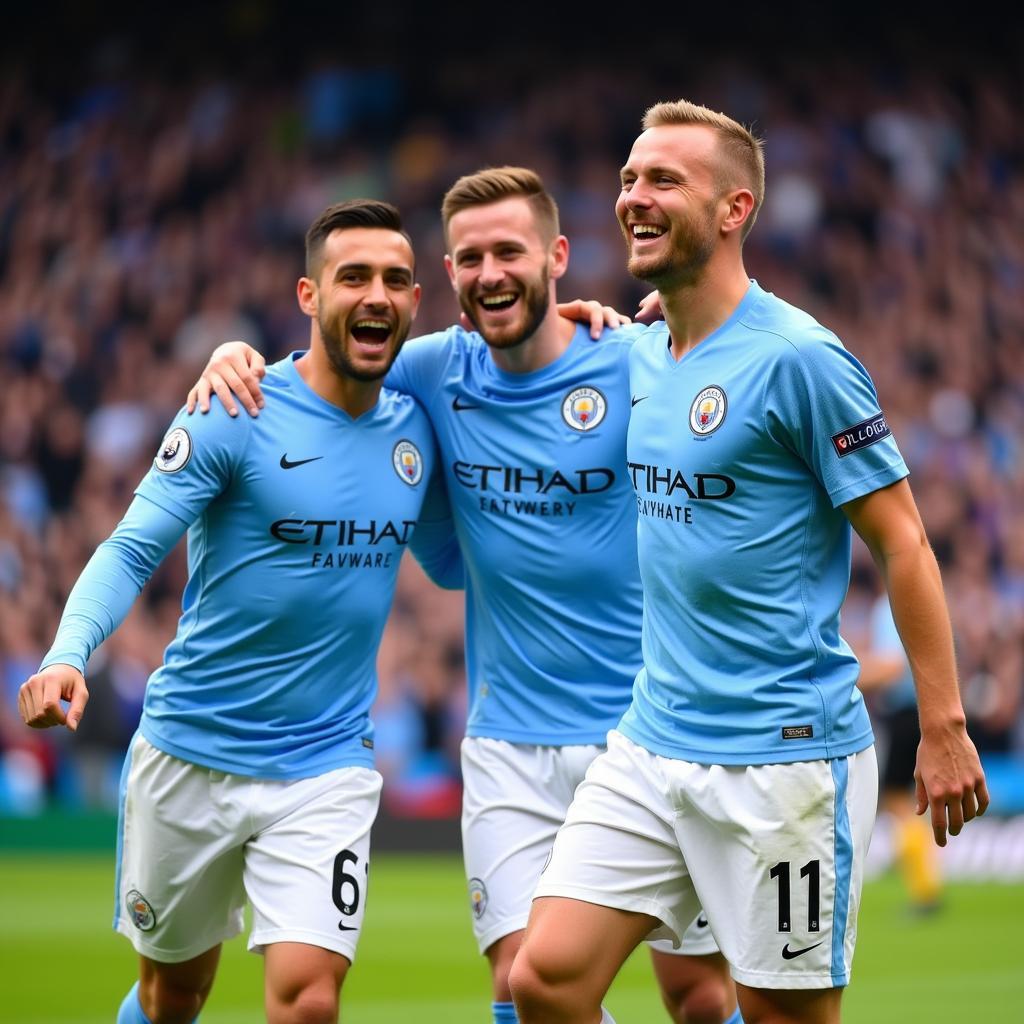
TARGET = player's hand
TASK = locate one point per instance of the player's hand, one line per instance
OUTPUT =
(39, 699)
(599, 317)
(950, 780)
(650, 309)
(235, 370)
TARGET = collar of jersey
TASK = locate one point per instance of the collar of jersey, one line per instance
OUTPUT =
(750, 297)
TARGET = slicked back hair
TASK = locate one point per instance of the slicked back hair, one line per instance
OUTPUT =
(742, 152)
(494, 184)
(353, 213)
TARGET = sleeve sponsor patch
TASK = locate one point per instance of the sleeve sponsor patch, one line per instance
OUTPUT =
(860, 435)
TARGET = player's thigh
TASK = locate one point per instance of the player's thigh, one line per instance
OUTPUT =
(181, 831)
(302, 981)
(307, 865)
(515, 797)
(618, 846)
(777, 855)
(577, 943)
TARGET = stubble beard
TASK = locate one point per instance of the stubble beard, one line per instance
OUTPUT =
(535, 300)
(334, 346)
(684, 264)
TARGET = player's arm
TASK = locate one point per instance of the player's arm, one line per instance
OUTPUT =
(97, 605)
(434, 543)
(949, 775)
(235, 369)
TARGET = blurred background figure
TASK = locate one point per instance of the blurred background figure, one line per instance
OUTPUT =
(887, 683)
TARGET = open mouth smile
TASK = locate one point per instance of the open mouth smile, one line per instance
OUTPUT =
(371, 332)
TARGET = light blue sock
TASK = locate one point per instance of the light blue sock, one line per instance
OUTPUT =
(735, 1018)
(504, 1013)
(131, 1009)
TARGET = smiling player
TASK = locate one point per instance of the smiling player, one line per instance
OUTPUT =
(252, 774)
(744, 768)
(530, 416)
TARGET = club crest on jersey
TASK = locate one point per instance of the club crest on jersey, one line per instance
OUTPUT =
(175, 451)
(139, 910)
(477, 897)
(708, 409)
(408, 462)
(583, 408)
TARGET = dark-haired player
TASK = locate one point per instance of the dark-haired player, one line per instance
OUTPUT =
(251, 776)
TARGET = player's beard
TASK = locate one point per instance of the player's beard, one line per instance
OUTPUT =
(692, 244)
(333, 337)
(535, 299)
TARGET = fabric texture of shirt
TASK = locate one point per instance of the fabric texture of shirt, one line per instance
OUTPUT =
(741, 454)
(296, 524)
(535, 471)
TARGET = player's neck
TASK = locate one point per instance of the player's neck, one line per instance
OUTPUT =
(542, 348)
(353, 396)
(695, 310)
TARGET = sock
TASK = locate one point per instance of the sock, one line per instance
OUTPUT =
(735, 1018)
(504, 1013)
(131, 1009)
(606, 1017)
(918, 861)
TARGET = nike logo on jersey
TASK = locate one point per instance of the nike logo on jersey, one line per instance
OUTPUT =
(462, 406)
(636, 401)
(792, 954)
(347, 927)
(702, 921)
(287, 464)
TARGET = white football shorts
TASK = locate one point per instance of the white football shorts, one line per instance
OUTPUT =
(773, 853)
(515, 797)
(194, 843)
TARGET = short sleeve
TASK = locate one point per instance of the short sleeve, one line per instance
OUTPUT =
(821, 404)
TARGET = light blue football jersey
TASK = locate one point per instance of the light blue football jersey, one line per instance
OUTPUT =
(741, 454)
(535, 466)
(297, 521)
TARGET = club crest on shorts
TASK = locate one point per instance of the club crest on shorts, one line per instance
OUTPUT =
(139, 910)
(408, 462)
(477, 897)
(583, 408)
(175, 451)
(708, 409)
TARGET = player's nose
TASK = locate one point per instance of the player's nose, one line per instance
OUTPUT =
(490, 270)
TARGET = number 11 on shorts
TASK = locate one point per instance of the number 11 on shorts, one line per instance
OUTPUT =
(810, 871)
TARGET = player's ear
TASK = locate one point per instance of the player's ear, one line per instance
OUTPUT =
(739, 208)
(308, 296)
(417, 293)
(558, 256)
(449, 265)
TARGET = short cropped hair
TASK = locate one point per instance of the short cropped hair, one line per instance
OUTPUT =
(497, 183)
(353, 213)
(742, 151)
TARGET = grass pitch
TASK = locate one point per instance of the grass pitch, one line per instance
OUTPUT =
(417, 960)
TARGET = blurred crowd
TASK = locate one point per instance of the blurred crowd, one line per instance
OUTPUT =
(144, 219)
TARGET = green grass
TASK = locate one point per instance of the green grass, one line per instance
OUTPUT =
(417, 962)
